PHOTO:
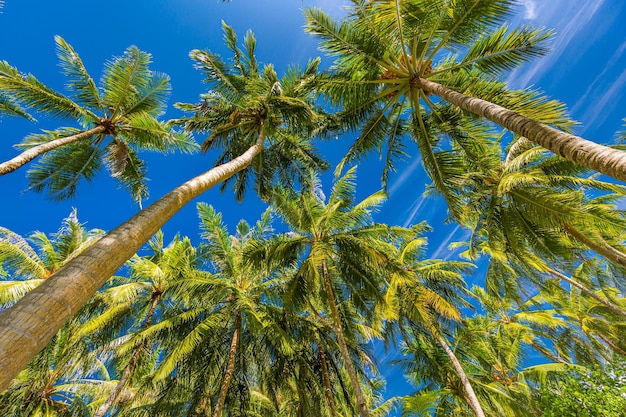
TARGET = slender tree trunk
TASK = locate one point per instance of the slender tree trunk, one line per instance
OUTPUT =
(601, 246)
(612, 344)
(343, 347)
(471, 398)
(32, 153)
(327, 386)
(230, 368)
(112, 398)
(28, 326)
(606, 303)
(611, 162)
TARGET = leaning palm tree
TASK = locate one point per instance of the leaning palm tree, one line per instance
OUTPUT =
(265, 110)
(340, 250)
(426, 294)
(394, 54)
(125, 109)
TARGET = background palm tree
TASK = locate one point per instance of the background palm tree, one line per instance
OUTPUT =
(339, 248)
(29, 261)
(125, 108)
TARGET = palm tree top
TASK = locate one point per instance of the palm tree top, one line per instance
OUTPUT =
(248, 104)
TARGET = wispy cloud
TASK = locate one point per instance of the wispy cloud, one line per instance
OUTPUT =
(569, 18)
(600, 105)
(530, 9)
(442, 251)
(600, 109)
(407, 173)
(417, 205)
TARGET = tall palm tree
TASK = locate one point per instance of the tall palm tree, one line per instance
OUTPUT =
(397, 53)
(263, 111)
(125, 109)
(340, 250)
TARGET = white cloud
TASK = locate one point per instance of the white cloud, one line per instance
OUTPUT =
(600, 105)
(568, 18)
(530, 9)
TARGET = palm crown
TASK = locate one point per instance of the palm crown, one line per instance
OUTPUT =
(125, 108)
(250, 104)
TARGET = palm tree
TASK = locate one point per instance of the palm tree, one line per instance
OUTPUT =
(339, 248)
(229, 319)
(264, 106)
(125, 108)
(30, 261)
(392, 54)
(131, 304)
(537, 212)
(426, 294)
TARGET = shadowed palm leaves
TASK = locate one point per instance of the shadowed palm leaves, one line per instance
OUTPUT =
(535, 214)
(124, 109)
(339, 248)
(131, 304)
(393, 55)
(28, 262)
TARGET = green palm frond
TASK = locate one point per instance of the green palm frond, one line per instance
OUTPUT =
(59, 171)
(125, 78)
(80, 82)
(26, 90)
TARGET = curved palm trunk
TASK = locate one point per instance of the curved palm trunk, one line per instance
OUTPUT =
(601, 246)
(230, 368)
(32, 153)
(471, 398)
(28, 326)
(343, 347)
(327, 386)
(611, 162)
(606, 303)
(112, 398)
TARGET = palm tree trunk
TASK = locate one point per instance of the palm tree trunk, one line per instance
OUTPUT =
(230, 368)
(327, 387)
(343, 347)
(601, 247)
(611, 162)
(112, 398)
(28, 326)
(32, 153)
(471, 398)
(606, 303)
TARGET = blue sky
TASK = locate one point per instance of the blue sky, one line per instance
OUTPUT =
(586, 69)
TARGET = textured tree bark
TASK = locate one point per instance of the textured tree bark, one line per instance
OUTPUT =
(230, 368)
(601, 246)
(343, 347)
(471, 395)
(607, 303)
(611, 162)
(32, 153)
(327, 387)
(112, 398)
(28, 326)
